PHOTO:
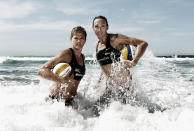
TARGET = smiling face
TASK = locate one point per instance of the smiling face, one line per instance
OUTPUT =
(78, 40)
(100, 27)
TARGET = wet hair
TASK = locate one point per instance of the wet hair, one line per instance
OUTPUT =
(100, 17)
(78, 29)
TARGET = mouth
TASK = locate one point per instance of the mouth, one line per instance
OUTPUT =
(79, 45)
(99, 34)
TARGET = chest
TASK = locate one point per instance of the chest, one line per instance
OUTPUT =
(79, 61)
(112, 45)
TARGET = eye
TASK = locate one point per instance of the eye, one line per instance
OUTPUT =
(96, 26)
(103, 26)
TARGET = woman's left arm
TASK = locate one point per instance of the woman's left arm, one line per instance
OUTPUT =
(139, 44)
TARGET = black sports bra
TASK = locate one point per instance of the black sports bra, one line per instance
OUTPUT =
(77, 70)
(107, 55)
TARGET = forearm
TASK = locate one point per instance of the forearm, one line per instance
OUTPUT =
(48, 74)
(139, 52)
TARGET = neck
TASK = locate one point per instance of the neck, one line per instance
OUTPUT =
(77, 52)
(103, 39)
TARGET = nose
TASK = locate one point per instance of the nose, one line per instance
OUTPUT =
(100, 29)
(78, 40)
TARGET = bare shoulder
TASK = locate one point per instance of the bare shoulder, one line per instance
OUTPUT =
(113, 37)
(63, 53)
(62, 56)
(116, 40)
(123, 39)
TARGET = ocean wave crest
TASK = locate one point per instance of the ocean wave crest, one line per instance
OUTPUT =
(27, 60)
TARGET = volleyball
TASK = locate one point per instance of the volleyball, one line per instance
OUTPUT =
(127, 52)
(62, 69)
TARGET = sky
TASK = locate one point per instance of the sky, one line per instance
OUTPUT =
(42, 27)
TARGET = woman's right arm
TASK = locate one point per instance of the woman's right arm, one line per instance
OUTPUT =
(45, 70)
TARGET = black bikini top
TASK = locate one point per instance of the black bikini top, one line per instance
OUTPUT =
(77, 70)
(107, 55)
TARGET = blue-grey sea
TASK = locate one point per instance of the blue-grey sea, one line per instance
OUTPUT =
(166, 81)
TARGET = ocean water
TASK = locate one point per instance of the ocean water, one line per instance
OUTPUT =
(168, 82)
